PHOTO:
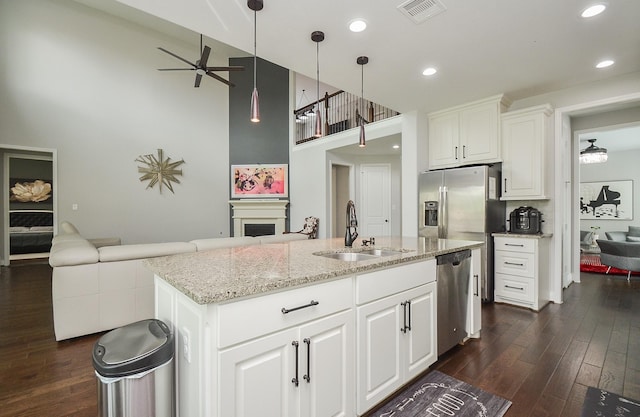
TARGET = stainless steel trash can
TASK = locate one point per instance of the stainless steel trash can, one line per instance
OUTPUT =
(134, 367)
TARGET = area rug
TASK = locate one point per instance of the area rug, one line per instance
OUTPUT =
(600, 403)
(437, 394)
(591, 263)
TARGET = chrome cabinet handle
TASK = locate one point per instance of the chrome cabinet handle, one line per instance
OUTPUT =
(295, 378)
(289, 310)
(307, 377)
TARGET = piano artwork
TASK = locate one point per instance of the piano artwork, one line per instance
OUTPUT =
(605, 197)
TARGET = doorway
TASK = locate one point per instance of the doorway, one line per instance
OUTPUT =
(29, 190)
(568, 186)
(341, 186)
(375, 199)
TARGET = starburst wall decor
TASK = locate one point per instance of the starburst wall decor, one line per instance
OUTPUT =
(159, 170)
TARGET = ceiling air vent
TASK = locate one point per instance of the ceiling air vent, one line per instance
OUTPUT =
(421, 10)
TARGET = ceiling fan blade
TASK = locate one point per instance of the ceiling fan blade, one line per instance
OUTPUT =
(178, 57)
(222, 80)
(198, 79)
(205, 57)
(233, 68)
(176, 69)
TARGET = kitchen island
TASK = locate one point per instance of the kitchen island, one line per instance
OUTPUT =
(281, 330)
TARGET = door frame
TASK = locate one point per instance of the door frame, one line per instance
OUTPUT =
(567, 226)
(332, 197)
(24, 152)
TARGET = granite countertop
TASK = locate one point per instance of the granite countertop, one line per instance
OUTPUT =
(228, 273)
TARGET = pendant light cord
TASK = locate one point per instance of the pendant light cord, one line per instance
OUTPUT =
(318, 75)
(255, 47)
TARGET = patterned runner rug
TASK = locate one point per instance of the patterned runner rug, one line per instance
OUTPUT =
(437, 394)
(591, 263)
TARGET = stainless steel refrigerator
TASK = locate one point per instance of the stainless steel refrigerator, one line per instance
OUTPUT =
(464, 203)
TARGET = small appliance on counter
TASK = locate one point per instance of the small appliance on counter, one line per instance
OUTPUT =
(525, 220)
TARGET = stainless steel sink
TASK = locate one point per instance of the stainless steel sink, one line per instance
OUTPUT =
(363, 255)
(349, 256)
(381, 252)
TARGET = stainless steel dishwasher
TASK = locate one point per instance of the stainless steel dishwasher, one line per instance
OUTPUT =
(453, 295)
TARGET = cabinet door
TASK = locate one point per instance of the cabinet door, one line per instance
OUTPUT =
(480, 134)
(421, 348)
(379, 372)
(524, 143)
(327, 357)
(256, 377)
(474, 321)
(444, 133)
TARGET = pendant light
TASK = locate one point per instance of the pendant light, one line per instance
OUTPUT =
(593, 154)
(362, 61)
(255, 5)
(318, 37)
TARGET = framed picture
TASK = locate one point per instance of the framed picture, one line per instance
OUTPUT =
(259, 181)
(24, 190)
(607, 200)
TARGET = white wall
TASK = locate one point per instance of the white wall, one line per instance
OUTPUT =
(85, 83)
(619, 166)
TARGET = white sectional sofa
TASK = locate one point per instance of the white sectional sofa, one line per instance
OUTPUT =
(99, 285)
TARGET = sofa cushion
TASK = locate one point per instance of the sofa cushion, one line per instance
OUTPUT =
(634, 231)
(144, 250)
(67, 227)
(617, 236)
(633, 238)
(73, 251)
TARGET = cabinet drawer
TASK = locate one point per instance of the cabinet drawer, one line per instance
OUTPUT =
(515, 244)
(374, 285)
(515, 288)
(515, 263)
(255, 317)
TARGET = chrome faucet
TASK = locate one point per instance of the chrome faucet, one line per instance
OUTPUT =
(352, 225)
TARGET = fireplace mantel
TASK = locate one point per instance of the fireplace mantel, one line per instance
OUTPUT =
(263, 211)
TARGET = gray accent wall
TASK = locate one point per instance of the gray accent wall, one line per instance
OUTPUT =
(266, 142)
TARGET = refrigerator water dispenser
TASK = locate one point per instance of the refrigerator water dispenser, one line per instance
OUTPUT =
(430, 213)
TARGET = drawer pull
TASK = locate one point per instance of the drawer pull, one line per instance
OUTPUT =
(513, 263)
(516, 245)
(475, 289)
(514, 288)
(307, 377)
(295, 378)
(406, 305)
(289, 310)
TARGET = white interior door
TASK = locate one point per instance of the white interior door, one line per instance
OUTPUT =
(375, 200)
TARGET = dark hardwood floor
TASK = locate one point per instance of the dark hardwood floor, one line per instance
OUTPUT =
(543, 362)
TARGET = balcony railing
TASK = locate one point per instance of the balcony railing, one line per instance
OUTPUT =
(339, 112)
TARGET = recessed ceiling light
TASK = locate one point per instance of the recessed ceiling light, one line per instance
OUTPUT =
(357, 25)
(604, 64)
(429, 71)
(594, 10)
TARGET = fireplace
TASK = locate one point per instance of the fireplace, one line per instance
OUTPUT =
(253, 217)
(258, 229)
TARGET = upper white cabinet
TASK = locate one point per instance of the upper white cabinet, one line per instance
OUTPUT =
(525, 137)
(466, 134)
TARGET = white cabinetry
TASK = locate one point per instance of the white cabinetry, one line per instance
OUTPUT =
(474, 318)
(396, 333)
(304, 370)
(525, 136)
(520, 274)
(466, 134)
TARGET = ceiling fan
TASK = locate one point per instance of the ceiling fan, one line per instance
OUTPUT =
(200, 66)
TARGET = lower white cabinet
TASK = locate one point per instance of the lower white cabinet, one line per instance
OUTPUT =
(396, 336)
(474, 318)
(521, 271)
(303, 371)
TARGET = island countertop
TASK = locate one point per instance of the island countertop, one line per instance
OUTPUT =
(225, 274)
